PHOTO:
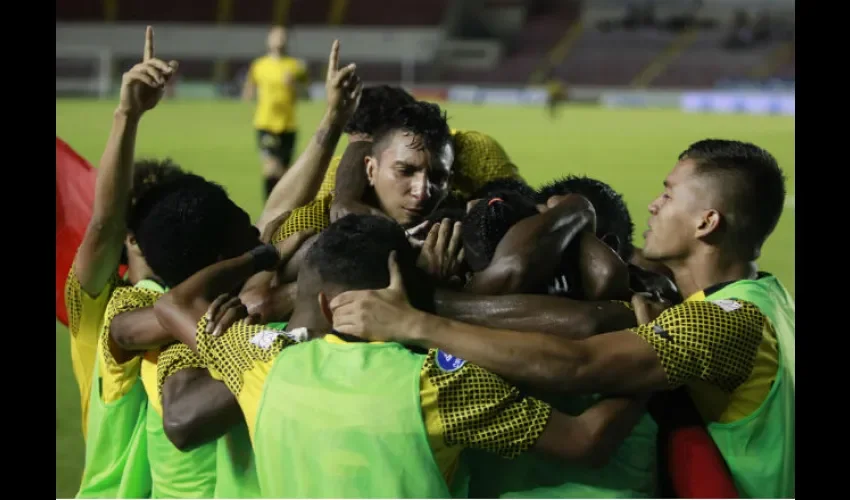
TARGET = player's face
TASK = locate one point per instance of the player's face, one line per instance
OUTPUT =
(675, 215)
(276, 39)
(409, 181)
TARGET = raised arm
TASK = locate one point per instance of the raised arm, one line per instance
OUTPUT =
(303, 179)
(99, 254)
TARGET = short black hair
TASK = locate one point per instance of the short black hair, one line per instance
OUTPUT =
(614, 223)
(496, 186)
(488, 221)
(424, 120)
(750, 183)
(376, 103)
(187, 224)
(353, 252)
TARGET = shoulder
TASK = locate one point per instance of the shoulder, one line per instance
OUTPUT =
(126, 298)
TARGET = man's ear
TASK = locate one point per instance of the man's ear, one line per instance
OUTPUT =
(325, 306)
(708, 223)
(371, 169)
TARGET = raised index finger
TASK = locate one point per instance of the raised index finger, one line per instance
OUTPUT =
(148, 44)
(333, 59)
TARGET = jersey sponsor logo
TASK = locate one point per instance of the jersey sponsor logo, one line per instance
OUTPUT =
(265, 338)
(449, 363)
(661, 332)
(728, 305)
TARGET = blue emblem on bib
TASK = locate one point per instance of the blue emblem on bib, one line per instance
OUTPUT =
(449, 363)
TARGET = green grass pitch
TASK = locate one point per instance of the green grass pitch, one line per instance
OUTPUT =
(630, 149)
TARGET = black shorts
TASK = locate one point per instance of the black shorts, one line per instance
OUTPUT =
(277, 145)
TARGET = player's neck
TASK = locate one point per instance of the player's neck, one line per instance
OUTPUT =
(309, 317)
(710, 267)
(276, 54)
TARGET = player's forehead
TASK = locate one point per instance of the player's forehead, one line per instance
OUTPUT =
(409, 149)
(683, 174)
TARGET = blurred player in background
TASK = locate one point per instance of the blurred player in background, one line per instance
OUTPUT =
(556, 94)
(275, 79)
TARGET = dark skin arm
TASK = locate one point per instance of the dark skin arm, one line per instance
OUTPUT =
(523, 259)
(593, 436)
(135, 331)
(614, 363)
(196, 408)
(179, 310)
(560, 316)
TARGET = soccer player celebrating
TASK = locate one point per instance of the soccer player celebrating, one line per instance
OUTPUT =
(407, 170)
(731, 342)
(274, 79)
(113, 408)
(478, 159)
(378, 419)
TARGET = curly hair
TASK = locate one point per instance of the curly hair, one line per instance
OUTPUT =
(148, 173)
(187, 224)
(376, 104)
(425, 121)
(488, 221)
(614, 223)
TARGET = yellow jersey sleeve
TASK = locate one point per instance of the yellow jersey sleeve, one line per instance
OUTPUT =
(302, 75)
(314, 215)
(118, 378)
(479, 159)
(329, 182)
(85, 317)
(469, 407)
(712, 342)
(242, 358)
(172, 359)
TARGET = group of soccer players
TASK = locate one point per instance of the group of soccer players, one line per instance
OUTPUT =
(413, 320)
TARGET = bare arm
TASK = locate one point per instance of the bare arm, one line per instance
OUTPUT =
(179, 310)
(529, 254)
(197, 409)
(613, 363)
(593, 436)
(138, 330)
(100, 251)
(536, 313)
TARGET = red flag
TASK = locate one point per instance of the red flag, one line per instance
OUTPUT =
(75, 180)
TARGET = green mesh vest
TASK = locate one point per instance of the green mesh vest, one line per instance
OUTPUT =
(631, 472)
(236, 467)
(116, 449)
(760, 448)
(345, 421)
(176, 474)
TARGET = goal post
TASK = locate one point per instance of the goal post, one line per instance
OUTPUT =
(83, 71)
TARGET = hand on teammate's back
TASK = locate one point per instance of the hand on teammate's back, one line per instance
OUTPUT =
(143, 86)
(343, 87)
